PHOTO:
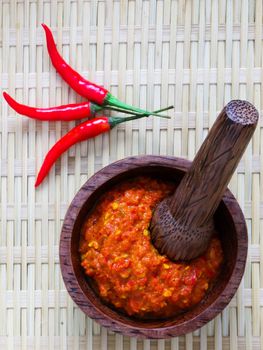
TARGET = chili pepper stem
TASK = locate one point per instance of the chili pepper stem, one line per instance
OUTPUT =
(110, 108)
(114, 101)
(113, 121)
(164, 109)
(95, 108)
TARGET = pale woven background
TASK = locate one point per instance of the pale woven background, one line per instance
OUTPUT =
(196, 55)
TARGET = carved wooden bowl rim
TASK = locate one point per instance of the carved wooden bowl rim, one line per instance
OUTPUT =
(94, 308)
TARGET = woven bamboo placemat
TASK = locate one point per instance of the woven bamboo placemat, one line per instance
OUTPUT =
(196, 55)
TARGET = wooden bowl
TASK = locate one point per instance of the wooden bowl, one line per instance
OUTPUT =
(229, 221)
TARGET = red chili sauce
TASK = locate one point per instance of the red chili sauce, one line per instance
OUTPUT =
(116, 251)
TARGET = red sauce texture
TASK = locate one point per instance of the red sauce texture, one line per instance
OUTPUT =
(117, 253)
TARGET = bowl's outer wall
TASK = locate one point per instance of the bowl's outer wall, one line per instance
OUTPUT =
(229, 221)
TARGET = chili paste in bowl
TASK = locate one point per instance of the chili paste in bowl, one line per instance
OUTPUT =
(129, 273)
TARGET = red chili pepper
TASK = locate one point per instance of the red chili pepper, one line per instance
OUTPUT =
(81, 132)
(91, 91)
(67, 112)
(64, 112)
(82, 86)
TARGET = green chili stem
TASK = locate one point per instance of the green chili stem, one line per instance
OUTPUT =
(113, 101)
(139, 114)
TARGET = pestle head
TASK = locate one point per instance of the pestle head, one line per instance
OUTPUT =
(241, 112)
(177, 241)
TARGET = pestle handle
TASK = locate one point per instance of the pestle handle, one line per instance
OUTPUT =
(201, 190)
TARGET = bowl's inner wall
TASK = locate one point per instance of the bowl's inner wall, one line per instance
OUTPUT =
(224, 224)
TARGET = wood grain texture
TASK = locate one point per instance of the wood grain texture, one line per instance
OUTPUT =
(183, 224)
(229, 222)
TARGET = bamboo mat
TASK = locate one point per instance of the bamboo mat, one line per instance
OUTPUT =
(196, 55)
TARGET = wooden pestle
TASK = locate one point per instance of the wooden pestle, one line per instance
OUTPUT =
(182, 225)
